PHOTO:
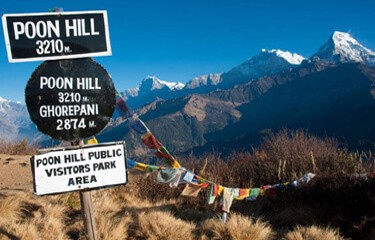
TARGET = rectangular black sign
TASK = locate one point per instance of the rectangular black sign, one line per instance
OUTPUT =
(56, 35)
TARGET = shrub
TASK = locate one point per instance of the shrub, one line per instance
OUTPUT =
(282, 157)
(160, 225)
(340, 201)
(313, 233)
(18, 148)
(238, 227)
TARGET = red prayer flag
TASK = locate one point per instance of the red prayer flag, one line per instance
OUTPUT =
(150, 141)
(162, 153)
(205, 185)
(216, 190)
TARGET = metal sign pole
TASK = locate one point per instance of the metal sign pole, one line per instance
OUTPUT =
(87, 210)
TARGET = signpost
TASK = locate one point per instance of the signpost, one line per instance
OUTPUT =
(56, 35)
(69, 99)
(80, 168)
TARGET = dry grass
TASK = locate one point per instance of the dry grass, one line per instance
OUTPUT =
(111, 225)
(9, 209)
(22, 216)
(120, 215)
(237, 228)
(145, 209)
(313, 233)
(160, 225)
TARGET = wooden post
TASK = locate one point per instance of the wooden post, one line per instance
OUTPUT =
(88, 214)
(87, 209)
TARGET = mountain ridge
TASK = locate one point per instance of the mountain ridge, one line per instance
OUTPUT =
(341, 47)
(267, 62)
(327, 94)
(327, 99)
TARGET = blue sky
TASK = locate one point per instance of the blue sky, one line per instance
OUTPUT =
(181, 39)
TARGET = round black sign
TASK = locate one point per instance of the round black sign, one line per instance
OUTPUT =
(70, 99)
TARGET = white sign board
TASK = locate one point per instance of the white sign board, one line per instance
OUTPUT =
(88, 167)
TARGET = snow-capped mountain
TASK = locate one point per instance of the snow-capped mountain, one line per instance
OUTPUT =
(211, 79)
(284, 91)
(130, 93)
(342, 47)
(292, 58)
(14, 112)
(152, 83)
(279, 66)
(150, 89)
(15, 123)
(267, 62)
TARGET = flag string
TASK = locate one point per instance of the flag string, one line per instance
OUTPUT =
(175, 174)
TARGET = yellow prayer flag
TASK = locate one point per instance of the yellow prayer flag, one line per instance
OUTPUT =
(141, 167)
(220, 190)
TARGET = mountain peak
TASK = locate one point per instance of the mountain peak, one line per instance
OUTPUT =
(343, 36)
(292, 58)
(3, 100)
(151, 77)
(211, 79)
(151, 85)
(6, 101)
(266, 63)
(342, 47)
(157, 83)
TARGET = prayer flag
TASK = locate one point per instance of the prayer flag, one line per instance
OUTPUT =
(216, 190)
(244, 193)
(139, 126)
(236, 192)
(152, 168)
(220, 190)
(191, 190)
(204, 185)
(141, 166)
(176, 180)
(188, 177)
(228, 195)
(150, 141)
(166, 175)
(254, 193)
(163, 153)
(131, 163)
(121, 105)
(211, 194)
